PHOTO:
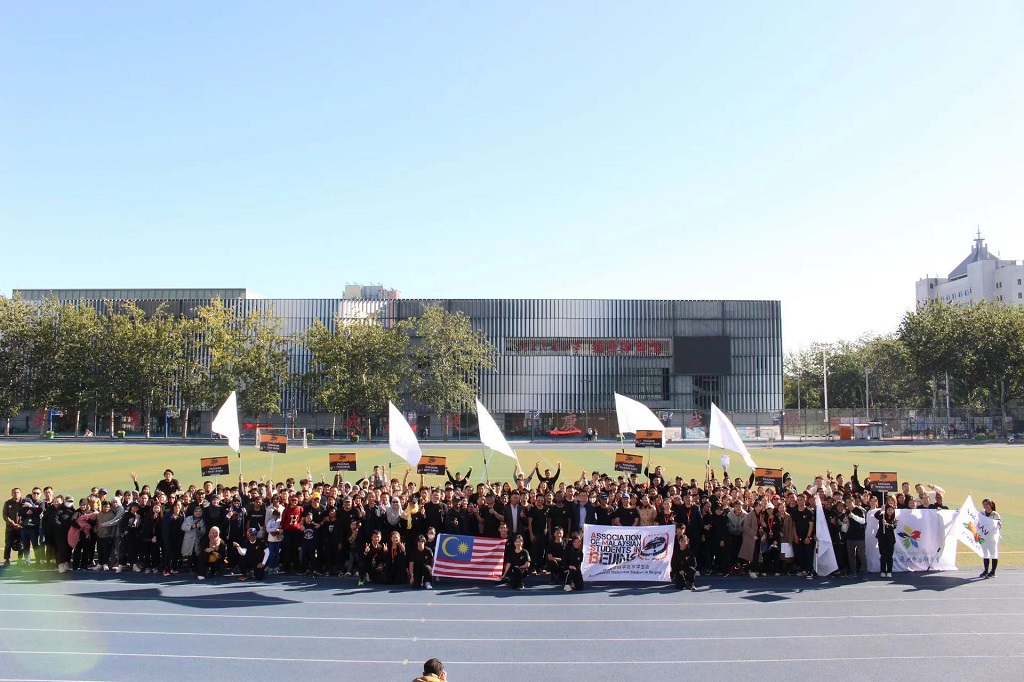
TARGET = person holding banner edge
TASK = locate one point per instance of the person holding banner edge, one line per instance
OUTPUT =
(991, 551)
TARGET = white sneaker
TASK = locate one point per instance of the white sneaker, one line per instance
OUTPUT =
(202, 577)
(137, 568)
(568, 588)
(753, 575)
(63, 568)
(429, 586)
(117, 569)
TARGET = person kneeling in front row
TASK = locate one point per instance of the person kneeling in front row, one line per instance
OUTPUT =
(573, 562)
(517, 565)
(684, 564)
(421, 565)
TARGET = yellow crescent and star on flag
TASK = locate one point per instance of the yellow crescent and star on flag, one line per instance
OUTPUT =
(462, 547)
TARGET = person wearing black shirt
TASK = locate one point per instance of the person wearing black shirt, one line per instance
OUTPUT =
(684, 564)
(434, 511)
(719, 541)
(12, 527)
(458, 481)
(855, 559)
(251, 552)
(548, 478)
(627, 515)
(555, 557)
(421, 565)
(558, 511)
(803, 522)
(517, 565)
(574, 563)
(169, 485)
(537, 525)
(487, 517)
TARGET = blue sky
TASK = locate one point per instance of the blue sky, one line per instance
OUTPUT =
(823, 154)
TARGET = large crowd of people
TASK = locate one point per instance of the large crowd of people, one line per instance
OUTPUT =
(379, 530)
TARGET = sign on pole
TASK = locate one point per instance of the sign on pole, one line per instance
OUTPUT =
(342, 461)
(634, 464)
(431, 466)
(768, 477)
(214, 466)
(884, 481)
(270, 442)
(648, 438)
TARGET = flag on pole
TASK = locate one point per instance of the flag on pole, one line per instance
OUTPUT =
(825, 556)
(977, 531)
(723, 434)
(401, 439)
(466, 556)
(226, 422)
(491, 435)
(633, 415)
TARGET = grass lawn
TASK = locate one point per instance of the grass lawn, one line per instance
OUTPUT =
(995, 471)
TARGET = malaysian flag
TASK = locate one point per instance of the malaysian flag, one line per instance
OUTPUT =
(466, 556)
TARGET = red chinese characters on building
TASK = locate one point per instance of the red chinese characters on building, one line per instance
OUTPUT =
(601, 347)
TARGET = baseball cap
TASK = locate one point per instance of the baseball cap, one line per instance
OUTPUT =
(254, 530)
(103, 491)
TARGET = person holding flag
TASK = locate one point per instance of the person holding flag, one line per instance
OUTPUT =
(990, 551)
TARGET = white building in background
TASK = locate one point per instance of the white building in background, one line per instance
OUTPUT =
(979, 277)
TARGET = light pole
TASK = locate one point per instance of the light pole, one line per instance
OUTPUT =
(867, 395)
(824, 364)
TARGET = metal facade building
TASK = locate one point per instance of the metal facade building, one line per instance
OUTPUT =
(556, 355)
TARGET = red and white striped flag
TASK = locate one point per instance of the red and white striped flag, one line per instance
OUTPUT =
(467, 556)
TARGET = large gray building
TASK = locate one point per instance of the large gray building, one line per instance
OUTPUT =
(556, 357)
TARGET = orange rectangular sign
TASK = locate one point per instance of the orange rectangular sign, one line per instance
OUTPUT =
(884, 481)
(649, 439)
(342, 461)
(273, 442)
(432, 466)
(634, 464)
(214, 466)
(766, 476)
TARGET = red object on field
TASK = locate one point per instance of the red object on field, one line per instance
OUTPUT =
(249, 426)
(570, 432)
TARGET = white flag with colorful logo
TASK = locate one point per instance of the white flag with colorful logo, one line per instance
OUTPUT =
(924, 541)
(634, 553)
(977, 531)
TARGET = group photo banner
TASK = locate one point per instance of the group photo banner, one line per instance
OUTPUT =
(632, 553)
(925, 541)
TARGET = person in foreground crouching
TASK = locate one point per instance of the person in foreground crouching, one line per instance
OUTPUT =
(684, 564)
(573, 562)
(252, 555)
(517, 565)
(421, 565)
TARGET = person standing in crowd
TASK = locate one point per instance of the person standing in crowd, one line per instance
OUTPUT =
(433, 671)
(856, 560)
(990, 550)
(193, 531)
(30, 517)
(291, 527)
(81, 538)
(517, 565)
(886, 535)
(172, 537)
(12, 527)
(803, 524)
(104, 535)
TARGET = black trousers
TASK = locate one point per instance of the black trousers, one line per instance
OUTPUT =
(574, 577)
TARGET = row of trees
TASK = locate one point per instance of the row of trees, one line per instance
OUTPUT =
(980, 348)
(83, 360)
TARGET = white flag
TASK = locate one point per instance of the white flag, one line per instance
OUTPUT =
(825, 556)
(723, 434)
(977, 531)
(633, 415)
(401, 438)
(226, 421)
(491, 435)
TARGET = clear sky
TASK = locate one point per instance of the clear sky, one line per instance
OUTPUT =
(824, 154)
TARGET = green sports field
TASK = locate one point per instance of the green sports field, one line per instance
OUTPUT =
(995, 471)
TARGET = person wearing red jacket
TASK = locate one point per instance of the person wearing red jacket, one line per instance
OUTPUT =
(291, 524)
